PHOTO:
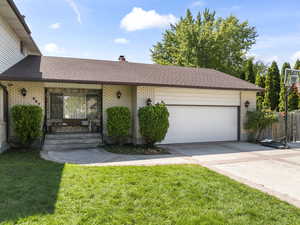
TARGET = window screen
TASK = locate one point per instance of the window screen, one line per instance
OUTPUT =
(74, 107)
(56, 106)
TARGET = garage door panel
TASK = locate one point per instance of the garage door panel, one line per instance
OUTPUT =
(202, 124)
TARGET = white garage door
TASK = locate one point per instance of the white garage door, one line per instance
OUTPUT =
(202, 124)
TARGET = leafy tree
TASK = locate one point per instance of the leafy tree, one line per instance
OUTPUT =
(257, 121)
(281, 105)
(260, 67)
(271, 99)
(249, 71)
(206, 41)
(260, 81)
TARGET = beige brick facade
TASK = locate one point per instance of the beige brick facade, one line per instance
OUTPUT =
(132, 97)
(110, 99)
(251, 97)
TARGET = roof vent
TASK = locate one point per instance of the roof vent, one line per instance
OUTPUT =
(122, 58)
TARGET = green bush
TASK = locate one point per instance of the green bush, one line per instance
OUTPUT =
(27, 121)
(257, 121)
(118, 123)
(154, 123)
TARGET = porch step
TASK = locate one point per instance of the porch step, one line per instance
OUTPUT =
(49, 141)
(58, 142)
(64, 136)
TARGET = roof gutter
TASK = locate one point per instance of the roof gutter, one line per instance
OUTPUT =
(6, 110)
(19, 15)
(5, 78)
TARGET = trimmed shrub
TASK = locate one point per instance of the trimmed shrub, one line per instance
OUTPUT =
(154, 123)
(257, 121)
(27, 121)
(118, 123)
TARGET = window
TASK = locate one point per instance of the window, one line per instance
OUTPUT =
(22, 48)
(74, 107)
(56, 108)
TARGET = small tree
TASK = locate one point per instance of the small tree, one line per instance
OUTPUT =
(154, 123)
(118, 123)
(27, 121)
(259, 120)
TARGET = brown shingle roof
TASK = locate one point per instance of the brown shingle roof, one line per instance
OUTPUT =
(57, 69)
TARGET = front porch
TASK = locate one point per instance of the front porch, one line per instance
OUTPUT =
(73, 110)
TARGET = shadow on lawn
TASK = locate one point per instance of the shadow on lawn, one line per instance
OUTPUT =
(28, 185)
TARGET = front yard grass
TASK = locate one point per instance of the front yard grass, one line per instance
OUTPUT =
(38, 192)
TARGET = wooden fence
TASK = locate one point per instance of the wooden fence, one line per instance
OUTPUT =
(277, 130)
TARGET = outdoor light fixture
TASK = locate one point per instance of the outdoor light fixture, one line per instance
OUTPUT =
(119, 94)
(149, 101)
(247, 103)
(23, 92)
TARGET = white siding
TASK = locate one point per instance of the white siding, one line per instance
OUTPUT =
(189, 96)
(10, 52)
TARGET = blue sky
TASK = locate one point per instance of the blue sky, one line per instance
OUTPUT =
(105, 29)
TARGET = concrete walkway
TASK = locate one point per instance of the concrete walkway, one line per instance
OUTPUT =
(274, 171)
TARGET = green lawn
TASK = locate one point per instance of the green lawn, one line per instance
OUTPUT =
(33, 191)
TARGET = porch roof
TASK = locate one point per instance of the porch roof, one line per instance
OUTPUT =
(73, 70)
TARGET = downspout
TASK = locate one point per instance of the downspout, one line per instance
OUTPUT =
(6, 110)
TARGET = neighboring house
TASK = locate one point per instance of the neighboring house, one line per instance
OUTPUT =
(204, 104)
(15, 44)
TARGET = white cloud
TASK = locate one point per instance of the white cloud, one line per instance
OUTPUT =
(295, 56)
(235, 7)
(139, 19)
(55, 26)
(53, 48)
(74, 7)
(121, 41)
(198, 4)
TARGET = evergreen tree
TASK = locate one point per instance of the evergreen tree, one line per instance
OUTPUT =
(297, 65)
(281, 106)
(293, 99)
(268, 91)
(294, 95)
(249, 71)
(260, 81)
(271, 99)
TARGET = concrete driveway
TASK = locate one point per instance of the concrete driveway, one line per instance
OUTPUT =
(274, 171)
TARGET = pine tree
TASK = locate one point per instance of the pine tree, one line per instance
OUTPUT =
(297, 65)
(293, 99)
(260, 81)
(268, 91)
(281, 105)
(249, 71)
(271, 99)
(294, 95)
